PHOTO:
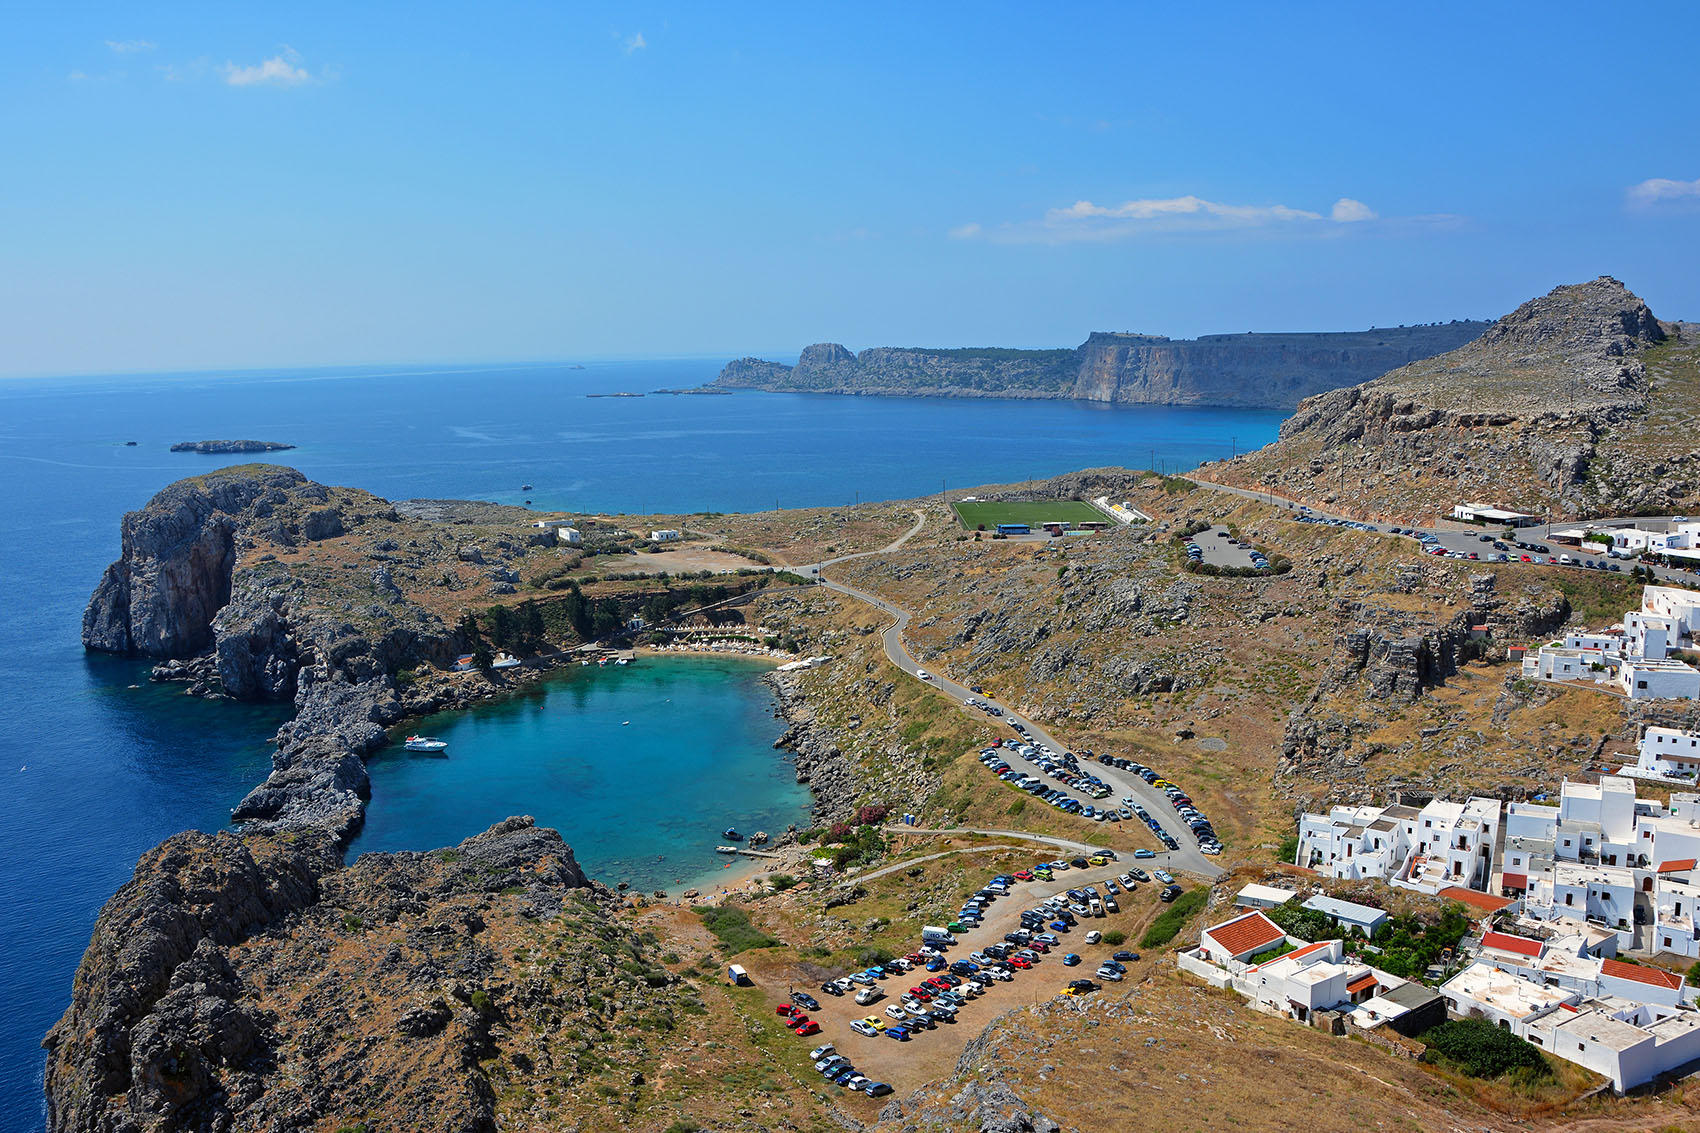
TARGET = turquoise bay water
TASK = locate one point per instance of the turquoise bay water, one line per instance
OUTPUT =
(97, 771)
(639, 766)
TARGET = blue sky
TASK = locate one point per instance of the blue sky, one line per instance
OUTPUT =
(218, 185)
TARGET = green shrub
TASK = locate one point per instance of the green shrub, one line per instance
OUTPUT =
(1174, 918)
(1115, 937)
(481, 1002)
(782, 881)
(1288, 849)
(1478, 1048)
(733, 929)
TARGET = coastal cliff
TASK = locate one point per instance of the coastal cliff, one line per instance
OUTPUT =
(1578, 401)
(248, 982)
(1248, 370)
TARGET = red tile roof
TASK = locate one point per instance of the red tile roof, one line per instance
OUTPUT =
(1504, 942)
(1640, 974)
(1681, 865)
(1515, 880)
(1367, 980)
(1306, 950)
(1483, 901)
(1246, 934)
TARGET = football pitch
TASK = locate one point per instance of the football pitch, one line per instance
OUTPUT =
(1031, 512)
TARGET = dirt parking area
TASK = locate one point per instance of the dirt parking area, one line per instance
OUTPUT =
(931, 1054)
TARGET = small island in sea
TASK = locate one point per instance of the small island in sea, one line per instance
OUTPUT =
(223, 448)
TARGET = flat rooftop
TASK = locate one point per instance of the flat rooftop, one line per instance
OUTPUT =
(1505, 993)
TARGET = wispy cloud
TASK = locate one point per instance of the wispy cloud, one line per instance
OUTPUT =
(635, 43)
(129, 46)
(1662, 190)
(1087, 221)
(281, 70)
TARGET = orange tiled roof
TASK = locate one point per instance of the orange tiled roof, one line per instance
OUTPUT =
(1503, 942)
(1483, 901)
(1681, 865)
(1640, 974)
(1367, 980)
(1246, 933)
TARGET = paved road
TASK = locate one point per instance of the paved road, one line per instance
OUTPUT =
(1122, 783)
(1213, 543)
(1467, 540)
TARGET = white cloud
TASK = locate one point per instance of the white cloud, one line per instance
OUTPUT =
(1348, 211)
(636, 43)
(129, 46)
(1657, 190)
(1088, 221)
(278, 71)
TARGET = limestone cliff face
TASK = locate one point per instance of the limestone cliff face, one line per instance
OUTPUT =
(1252, 370)
(160, 597)
(1554, 408)
(1269, 370)
(243, 982)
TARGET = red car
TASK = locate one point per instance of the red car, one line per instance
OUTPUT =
(1020, 962)
(1024, 875)
(916, 958)
(799, 1022)
(941, 985)
(1039, 946)
(1526, 558)
(786, 1010)
(924, 994)
(808, 1028)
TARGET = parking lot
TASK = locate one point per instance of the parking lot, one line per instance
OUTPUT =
(929, 1053)
(1220, 548)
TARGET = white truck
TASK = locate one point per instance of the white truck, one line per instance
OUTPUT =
(934, 935)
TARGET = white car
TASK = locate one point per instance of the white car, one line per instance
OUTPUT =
(923, 674)
(1000, 974)
(863, 1027)
(896, 1012)
(1094, 937)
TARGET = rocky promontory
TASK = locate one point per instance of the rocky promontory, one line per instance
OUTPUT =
(251, 982)
(1251, 370)
(226, 448)
(1578, 401)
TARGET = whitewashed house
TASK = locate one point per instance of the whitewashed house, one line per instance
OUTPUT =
(1313, 978)
(1627, 1041)
(1646, 679)
(1669, 754)
(665, 535)
(571, 536)
(1484, 991)
(1351, 843)
(1453, 844)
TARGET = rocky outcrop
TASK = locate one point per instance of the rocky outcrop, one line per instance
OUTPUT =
(222, 448)
(250, 983)
(1261, 370)
(820, 762)
(1553, 408)
(159, 599)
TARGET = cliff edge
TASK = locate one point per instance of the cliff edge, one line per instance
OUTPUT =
(1272, 371)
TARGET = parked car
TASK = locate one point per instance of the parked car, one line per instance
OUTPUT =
(1071, 959)
(804, 999)
(877, 1089)
(1142, 852)
(1094, 937)
(807, 1028)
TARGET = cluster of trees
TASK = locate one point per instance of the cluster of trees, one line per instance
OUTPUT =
(1407, 945)
(1482, 1050)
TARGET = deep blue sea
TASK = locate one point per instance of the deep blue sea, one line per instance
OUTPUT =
(100, 765)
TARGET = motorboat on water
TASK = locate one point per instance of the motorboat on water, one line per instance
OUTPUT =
(731, 835)
(428, 744)
(725, 849)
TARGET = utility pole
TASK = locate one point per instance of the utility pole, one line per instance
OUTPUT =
(1234, 446)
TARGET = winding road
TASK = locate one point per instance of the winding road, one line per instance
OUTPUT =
(1122, 783)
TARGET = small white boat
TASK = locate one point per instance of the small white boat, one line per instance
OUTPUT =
(425, 743)
(725, 849)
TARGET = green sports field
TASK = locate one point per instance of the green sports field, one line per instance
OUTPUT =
(1030, 512)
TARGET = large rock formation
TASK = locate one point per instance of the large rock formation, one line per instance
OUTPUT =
(251, 983)
(1576, 401)
(1254, 370)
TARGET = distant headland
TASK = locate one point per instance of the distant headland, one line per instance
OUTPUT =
(1267, 371)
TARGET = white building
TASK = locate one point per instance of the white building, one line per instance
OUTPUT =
(1627, 1041)
(572, 536)
(1647, 679)
(1351, 843)
(1489, 514)
(1240, 939)
(1256, 896)
(1313, 978)
(1566, 663)
(1348, 914)
(1681, 606)
(665, 535)
(1667, 753)
(1453, 845)
(1512, 1002)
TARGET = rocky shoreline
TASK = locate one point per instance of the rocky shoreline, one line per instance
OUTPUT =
(820, 762)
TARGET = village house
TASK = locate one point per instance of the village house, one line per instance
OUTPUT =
(1632, 657)
(665, 535)
(1348, 914)
(1642, 678)
(1627, 1041)
(571, 536)
(1666, 754)
(1453, 845)
(1490, 515)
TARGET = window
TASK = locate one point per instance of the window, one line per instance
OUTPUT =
(1581, 1046)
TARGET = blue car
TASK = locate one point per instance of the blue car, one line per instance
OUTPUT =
(1143, 853)
(1071, 959)
(1059, 926)
(901, 1034)
(934, 964)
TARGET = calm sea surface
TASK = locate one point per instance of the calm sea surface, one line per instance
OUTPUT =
(100, 765)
